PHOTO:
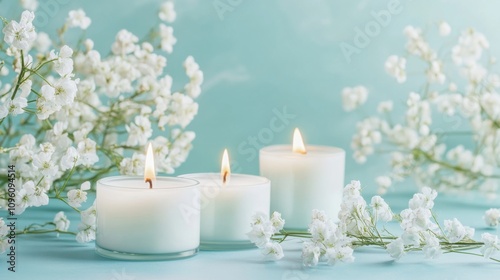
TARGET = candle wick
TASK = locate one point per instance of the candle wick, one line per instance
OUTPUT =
(150, 183)
(224, 177)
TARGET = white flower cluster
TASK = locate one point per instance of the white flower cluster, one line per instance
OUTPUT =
(358, 226)
(84, 114)
(439, 111)
(418, 227)
(328, 242)
(492, 217)
(263, 229)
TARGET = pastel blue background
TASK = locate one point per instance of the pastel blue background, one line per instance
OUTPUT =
(267, 55)
(264, 56)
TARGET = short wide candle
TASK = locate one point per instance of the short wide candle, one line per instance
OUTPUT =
(227, 209)
(303, 182)
(138, 222)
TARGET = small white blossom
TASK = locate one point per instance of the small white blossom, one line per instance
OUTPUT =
(167, 39)
(139, 131)
(396, 67)
(87, 151)
(310, 254)
(277, 222)
(340, 254)
(167, 12)
(20, 34)
(444, 28)
(354, 97)
(261, 234)
(61, 221)
(435, 72)
(44, 164)
(469, 48)
(424, 199)
(456, 232)
(30, 5)
(87, 227)
(13, 107)
(42, 42)
(411, 238)
(491, 245)
(492, 217)
(69, 159)
(396, 248)
(124, 43)
(381, 209)
(383, 182)
(432, 248)
(77, 18)
(385, 106)
(63, 64)
(352, 189)
(272, 251)
(79, 196)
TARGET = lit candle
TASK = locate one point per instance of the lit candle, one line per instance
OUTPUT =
(303, 179)
(228, 202)
(142, 218)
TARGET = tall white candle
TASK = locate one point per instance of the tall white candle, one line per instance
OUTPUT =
(311, 178)
(227, 208)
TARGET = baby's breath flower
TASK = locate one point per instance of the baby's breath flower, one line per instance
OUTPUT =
(272, 251)
(492, 217)
(491, 245)
(354, 97)
(310, 254)
(61, 221)
(77, 18)
(396, 248)
(444, 28)
(167, 12)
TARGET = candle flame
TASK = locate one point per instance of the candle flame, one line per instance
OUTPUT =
(149, 168)
(225, 169)
(298, 143)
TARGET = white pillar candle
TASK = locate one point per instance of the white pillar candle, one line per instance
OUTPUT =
(227, 208)
(303, 181)
(138, 222)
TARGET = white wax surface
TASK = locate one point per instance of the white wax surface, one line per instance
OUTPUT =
(303, 182)
(132, 218)
(226, 210)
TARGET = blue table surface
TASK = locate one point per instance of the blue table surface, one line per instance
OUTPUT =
(50, 257)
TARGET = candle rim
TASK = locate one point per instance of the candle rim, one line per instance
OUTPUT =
(190, 183)
(312, 150)
(231, 183)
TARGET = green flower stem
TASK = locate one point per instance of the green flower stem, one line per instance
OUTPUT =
(40, 229)
(66, 182)
(453, 167)
(21, 75)
(64, 200)
(45, 231)
(470, 253)
(40, 76)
